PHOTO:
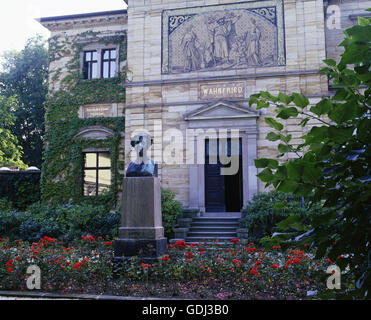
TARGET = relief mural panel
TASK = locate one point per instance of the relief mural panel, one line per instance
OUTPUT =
(223, 37)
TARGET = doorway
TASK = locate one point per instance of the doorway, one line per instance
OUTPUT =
(223, 193)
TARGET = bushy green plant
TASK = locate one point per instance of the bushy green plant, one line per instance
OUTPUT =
(170, 211)
(67, 222)
(332, 163)
(5, 205)
(262, 214)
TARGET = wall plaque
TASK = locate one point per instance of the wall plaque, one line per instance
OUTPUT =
(222, 90)
(97, 111)
(223, 37)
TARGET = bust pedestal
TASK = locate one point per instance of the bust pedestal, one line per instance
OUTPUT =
(141, 231)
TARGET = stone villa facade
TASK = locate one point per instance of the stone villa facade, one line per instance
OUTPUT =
(192, 65)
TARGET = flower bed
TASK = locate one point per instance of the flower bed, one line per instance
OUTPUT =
(234, 270)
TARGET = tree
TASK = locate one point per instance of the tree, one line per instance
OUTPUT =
(10, 152)
(332, 163)
(25, 76)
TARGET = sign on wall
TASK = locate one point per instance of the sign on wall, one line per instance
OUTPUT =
(223, 37)
(97, 111)
(222, 90)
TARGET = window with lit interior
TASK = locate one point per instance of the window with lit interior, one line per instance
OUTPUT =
(97, 173)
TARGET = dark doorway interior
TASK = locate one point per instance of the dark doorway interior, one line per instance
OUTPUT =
(223, 193)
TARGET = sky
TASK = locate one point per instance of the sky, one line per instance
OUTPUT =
(17, 17)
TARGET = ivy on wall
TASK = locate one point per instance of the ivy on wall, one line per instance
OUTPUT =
(62, 175)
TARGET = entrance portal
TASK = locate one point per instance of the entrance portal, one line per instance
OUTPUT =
(223, 193)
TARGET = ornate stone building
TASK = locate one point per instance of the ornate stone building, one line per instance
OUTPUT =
(192, 66)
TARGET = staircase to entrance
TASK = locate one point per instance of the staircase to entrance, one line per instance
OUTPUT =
(210, 226)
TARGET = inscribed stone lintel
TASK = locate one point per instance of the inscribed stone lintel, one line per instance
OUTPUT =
(223, 37)
(223, 90)
(97, 111)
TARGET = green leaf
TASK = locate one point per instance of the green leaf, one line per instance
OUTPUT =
(273, 123)
(283, 148)
(299, 100)
(271, 136)
(288, 113)
(294, 170)
(266, 163)
(322, 107)
(343, 112)
(284, 98)
(287, 186)
(330, 62)
(292, 222)
(268, 96)
(266, 175)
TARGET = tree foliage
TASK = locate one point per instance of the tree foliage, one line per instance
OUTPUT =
(332, 163)
(10, 151)
(25, 75)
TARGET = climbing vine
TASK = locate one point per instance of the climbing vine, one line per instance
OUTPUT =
(62, 175)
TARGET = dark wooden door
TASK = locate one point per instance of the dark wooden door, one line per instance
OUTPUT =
(214, 183)
(222, 193)
(214, 188)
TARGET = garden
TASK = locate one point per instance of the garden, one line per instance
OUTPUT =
(235, 270)
(73, 247)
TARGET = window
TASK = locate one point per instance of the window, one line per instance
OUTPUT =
(108, 63)
(97, 173)
(99, 62)
(90, 69)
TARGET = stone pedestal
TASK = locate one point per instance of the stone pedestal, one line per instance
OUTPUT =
(141, 232)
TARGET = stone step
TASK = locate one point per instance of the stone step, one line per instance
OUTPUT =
(216, 224)
(212, 229)
(207, 239)
(211, 234)
(216, 219)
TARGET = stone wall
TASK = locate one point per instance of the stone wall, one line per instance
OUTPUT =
(153, 95)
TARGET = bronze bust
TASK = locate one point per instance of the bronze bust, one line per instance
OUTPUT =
(142, 166)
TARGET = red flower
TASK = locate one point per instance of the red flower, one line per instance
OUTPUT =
(202, 267)
(180, 244)
(328, 260)
(78, 265)
(208, 270)
(86, 259)
(165, 258)
(90, 238)
(10, 270)
(108, 243)
(296, 260)
(235, 241)
(17, 259)
(275, 266)
(254, 271)
(9, 263)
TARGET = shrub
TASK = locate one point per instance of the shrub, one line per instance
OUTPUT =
(170, 211)
(20, 188)
(67, 222)
(262, 214)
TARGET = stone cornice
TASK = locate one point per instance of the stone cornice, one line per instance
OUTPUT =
(84, 20)
(221, 78)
